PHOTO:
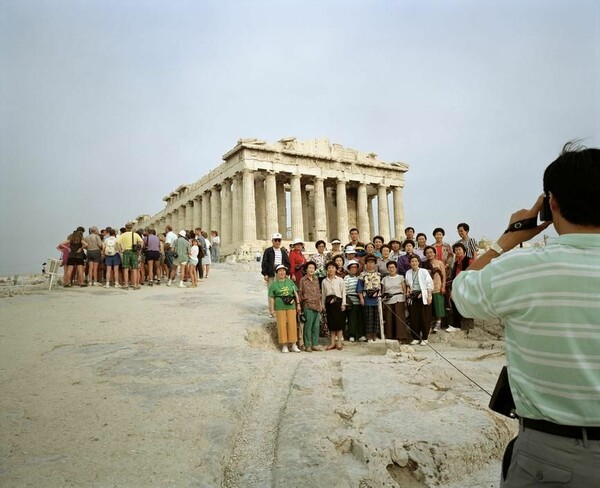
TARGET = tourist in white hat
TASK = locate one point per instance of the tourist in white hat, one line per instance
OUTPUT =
(350, 253)
(283, 305)
(297, 260)
(273, 257)
(336, 248)
(356, 328)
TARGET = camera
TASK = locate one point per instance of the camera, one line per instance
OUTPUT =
(545, 212)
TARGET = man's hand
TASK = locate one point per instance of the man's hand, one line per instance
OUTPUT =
(512, 239)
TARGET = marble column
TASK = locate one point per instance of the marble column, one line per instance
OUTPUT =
(215, 210)
(225, 228)
(181, 218)
(305, 214)
(383, 212)
(363, 213)
(281, 208)
(296, 204)
(248, 208)
(398, 213)
(205, 210)
(342, 211)
(261, 211)
(189, 215)
(271, 213)
(236, 214)
(370, 214)
(331, 213)
(320, 212)
(197, 219)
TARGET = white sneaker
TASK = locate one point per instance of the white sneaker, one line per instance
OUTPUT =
(452, 329)
(295, 348)
(414, 342)
(117, 285)
(437, 327)
(107, 285)
(363, 339)
(351, 339)
(424, 342)
(181, 285)
(169, 282)
(284, 349)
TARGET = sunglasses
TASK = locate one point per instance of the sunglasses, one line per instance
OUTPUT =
(277, 240)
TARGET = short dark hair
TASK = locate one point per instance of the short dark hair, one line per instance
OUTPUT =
(438, 229)
(574, 181)
(421, 234)
(408, 241)
(428, 247)
(354, 228)
(320, 241)
(464, 226)
(461, 245)
(309, 263)
(328, 264)
(414, 256)
(409, 228)
(378, 237)
(389, 263)
(385, 245)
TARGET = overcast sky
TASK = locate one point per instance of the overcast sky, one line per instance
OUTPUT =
(107, 106)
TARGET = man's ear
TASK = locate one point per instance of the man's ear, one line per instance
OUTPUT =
(553, 203)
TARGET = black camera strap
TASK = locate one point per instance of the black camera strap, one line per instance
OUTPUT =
(442, 356)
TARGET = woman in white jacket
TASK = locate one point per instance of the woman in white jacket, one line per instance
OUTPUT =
(419, 292)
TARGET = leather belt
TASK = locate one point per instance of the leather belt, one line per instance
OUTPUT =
(576, 432)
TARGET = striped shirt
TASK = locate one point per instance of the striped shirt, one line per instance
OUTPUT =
(549, 300)
(470, 245)
(350, 283)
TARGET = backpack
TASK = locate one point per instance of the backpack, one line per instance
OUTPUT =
(110, 246)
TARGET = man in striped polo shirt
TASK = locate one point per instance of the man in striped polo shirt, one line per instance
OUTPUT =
(549, 300)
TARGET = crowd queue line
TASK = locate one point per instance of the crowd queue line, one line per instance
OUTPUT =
(345, 292)
(128, 258)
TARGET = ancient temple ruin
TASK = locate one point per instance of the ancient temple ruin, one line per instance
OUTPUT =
(310, 189)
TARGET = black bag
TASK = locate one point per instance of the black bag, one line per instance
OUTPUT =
(135, 247)
(502, 400)
(333, 299)
(413, 295)
(288, 300)
(372, 293)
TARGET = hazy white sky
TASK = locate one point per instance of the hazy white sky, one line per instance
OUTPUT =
(107, 106)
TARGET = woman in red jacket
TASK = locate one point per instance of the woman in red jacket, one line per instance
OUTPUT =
(297, 260)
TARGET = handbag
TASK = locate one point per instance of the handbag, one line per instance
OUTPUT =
(135, 247)
(372, 293)
(333, 299)
(502, 400)
(288, 300)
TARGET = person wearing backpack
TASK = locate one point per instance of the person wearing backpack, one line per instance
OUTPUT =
(112, 260)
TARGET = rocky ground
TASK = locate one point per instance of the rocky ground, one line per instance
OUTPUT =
(172, 387)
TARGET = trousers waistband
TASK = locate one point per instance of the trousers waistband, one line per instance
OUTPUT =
(576, 432)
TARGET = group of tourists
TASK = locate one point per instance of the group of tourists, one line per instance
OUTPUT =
(127, 258)
(365, 291)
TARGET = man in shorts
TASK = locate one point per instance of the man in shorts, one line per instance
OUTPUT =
(182, 249)
(127, 241)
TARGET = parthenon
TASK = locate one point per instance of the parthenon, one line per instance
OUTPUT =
(311, 189)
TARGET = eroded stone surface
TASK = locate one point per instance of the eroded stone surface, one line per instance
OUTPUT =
(170, 387)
